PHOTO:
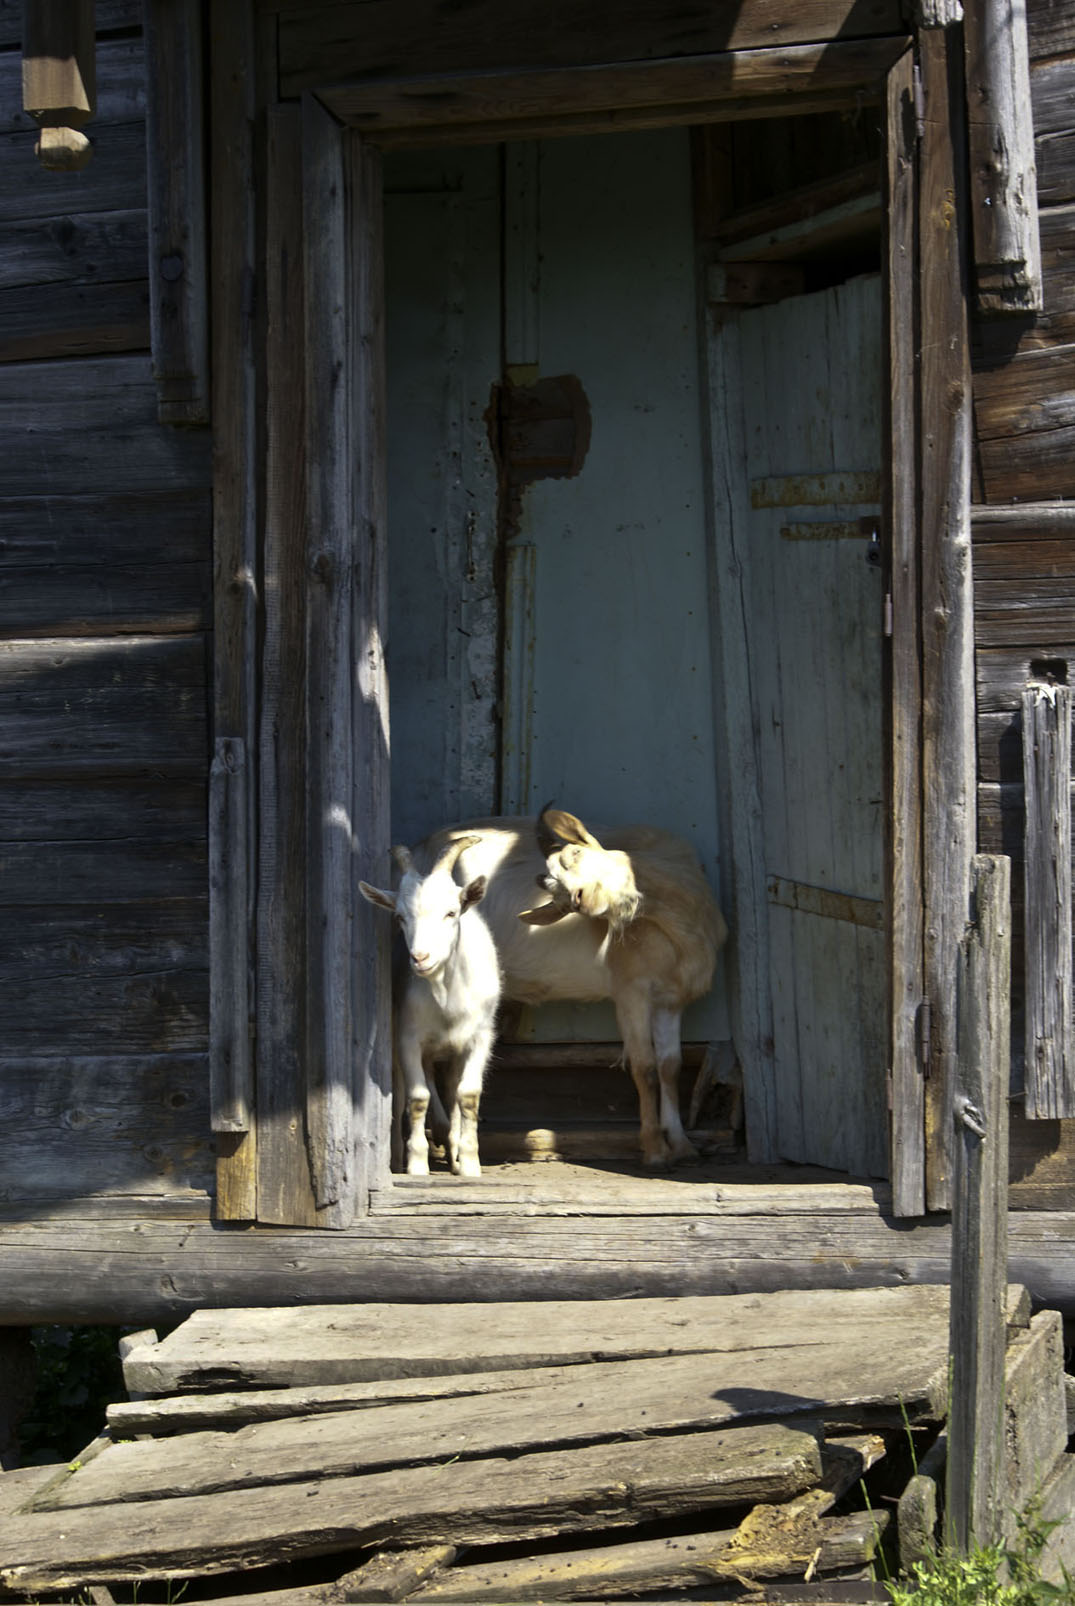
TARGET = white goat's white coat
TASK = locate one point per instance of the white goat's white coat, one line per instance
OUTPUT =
(444, 1006)
(630, 918)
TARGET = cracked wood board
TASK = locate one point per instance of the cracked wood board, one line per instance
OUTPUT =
(583, 1403)
(464, 1502)
(287, 1347)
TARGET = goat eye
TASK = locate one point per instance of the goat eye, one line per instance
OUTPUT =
(449, 914)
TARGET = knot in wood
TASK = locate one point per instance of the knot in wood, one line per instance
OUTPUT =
(323, 567)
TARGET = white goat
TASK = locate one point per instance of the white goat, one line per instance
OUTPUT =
(445, 1003)
(632, 919)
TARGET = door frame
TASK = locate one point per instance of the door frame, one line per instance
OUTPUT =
(334, 1079)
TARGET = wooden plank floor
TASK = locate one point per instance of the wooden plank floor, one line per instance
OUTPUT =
(587, 1449)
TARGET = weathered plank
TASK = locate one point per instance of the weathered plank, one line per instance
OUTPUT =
(331, 1094)
(1049, 1067)
(347, 1343)
(73, 321)
(283, 1171)
(326, 44)
(232, 99)
(113, 182)
(121, 706)
(67, 1122)
(85, 249)
(190, 1412)
(660, 1564)
(531, 1496)
(980, 1213)
(592, 1403)
(944, 461)
(90, 424)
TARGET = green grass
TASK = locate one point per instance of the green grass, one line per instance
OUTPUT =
(990, 1575)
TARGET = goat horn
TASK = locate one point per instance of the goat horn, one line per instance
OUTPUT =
(403, 858)
(448, 858)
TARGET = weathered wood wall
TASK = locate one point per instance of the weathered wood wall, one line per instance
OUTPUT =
(104, 607)
(1024, 533)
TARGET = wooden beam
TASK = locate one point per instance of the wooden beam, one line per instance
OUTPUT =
(980, 1215)
(1049, 1075)
(179, 295)
(949, 776)
(368, 39)
(440, 107)
(903, 673)
(1004, 200)
(234, 459)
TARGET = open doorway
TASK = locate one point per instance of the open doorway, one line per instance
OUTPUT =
(555, 617)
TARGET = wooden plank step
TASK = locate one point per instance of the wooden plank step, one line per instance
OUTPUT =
(583, 1404)
(318, 1344)
(463, 1502)
(758, 1381)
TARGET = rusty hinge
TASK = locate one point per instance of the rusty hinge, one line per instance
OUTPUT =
(924, 1037)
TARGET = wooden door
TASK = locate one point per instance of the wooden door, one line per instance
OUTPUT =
(810, 371)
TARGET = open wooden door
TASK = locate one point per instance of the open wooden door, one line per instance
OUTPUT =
(818, 604)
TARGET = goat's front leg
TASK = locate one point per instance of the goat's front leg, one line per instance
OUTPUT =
(636, 1028)
(416, 1090)
(465, 1080)
(669, 1061)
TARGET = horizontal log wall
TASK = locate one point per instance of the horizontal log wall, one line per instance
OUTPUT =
(105, 525)
(1024, 555)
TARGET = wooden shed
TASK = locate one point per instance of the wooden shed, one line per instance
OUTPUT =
(413, 411)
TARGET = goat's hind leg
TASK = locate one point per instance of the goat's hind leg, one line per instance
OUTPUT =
(636, 1029)
(669, 1054)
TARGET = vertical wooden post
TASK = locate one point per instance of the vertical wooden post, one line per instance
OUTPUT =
(234, 386)
(1004, 191)
(903, 673)
(1049, 1074)
(59, 79)
(949, 769)
(329, 759)
(371, 744)
(980, 1213)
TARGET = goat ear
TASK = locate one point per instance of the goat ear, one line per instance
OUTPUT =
(383, 900)
(473, 892)
(569, 828)
(545, 914)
